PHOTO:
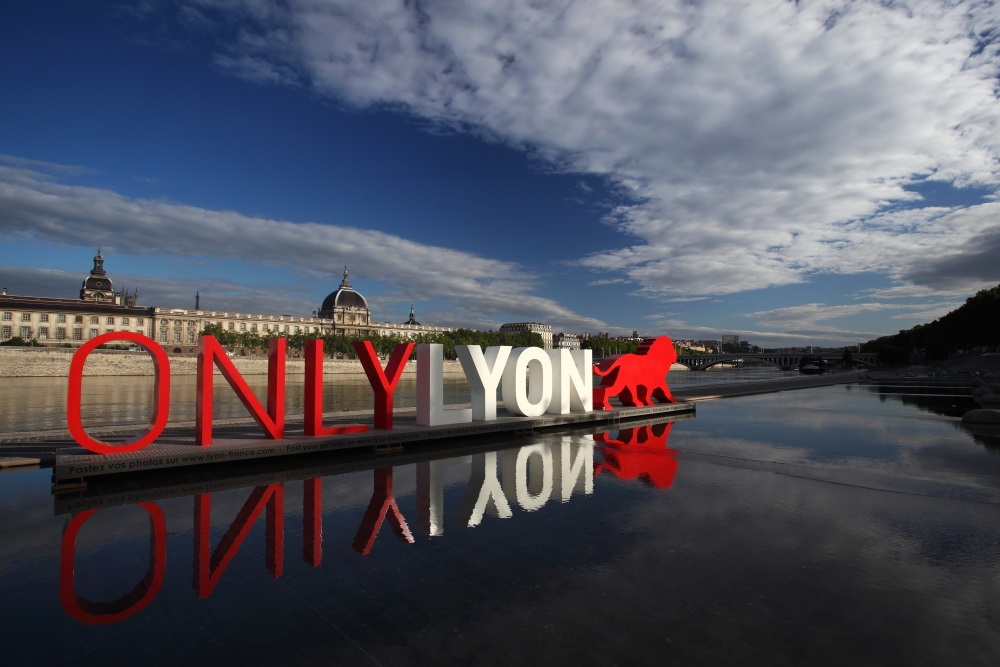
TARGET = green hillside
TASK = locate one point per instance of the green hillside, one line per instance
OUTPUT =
(976, 323)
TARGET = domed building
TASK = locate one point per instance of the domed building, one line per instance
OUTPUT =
(98, 287)
(347, 309)
(70, 322)
(100, 309)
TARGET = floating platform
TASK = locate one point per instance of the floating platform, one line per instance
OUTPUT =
(178, 450)
(114, 491)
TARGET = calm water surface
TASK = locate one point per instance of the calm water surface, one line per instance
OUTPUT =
(40, 403)
(837, 525)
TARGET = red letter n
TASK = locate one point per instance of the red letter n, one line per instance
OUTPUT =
(210, 354)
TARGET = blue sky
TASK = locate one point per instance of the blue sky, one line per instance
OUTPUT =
(798, 173)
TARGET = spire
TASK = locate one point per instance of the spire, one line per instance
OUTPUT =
(98, 264)
(413, 317)
(346, 282)
(97, 286)
(197, 300)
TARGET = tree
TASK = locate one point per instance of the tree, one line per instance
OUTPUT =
(17, 341)
(971, 325)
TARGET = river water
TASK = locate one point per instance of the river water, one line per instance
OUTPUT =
(28, 404)
(828, 526)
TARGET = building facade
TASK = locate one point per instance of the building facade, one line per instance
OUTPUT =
(344, 312)
(543, 330)
(100, 309)
(565, 341)
(71, 322)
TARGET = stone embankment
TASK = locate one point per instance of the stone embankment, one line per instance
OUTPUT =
(34, 362)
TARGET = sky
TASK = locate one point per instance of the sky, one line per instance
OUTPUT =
(795, 173)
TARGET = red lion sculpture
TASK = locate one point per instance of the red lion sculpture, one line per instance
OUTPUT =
(637, 378)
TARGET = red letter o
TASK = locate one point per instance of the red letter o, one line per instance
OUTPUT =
(161, 372)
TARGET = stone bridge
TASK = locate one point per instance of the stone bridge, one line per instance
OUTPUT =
(699, 362)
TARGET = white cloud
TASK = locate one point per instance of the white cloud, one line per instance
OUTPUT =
(608, 281)
(806, 321)
(763, 141)
(37, 207)
(902, 292)
(928, 313)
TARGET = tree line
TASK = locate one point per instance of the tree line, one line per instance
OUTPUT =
(973, 324)
(341, 346)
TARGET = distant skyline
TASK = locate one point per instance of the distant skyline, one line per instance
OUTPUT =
(795, 173)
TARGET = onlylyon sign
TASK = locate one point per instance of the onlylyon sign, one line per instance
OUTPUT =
(561, 383)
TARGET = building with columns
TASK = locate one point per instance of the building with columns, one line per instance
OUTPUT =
(100, 309)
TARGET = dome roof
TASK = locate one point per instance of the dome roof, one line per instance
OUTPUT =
(97, 284)
(101, 283)
(344, 297)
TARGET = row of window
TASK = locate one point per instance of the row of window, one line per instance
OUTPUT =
(352, 319)
(177, 336)
(43, 333)
(269, 328)
(78, 319)
(266, 328)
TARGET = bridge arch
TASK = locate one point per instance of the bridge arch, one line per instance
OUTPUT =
(699, 362)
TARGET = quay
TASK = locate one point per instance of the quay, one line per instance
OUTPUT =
(177, 449)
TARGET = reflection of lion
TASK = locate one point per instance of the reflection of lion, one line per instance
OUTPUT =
(637, 378)
(639, 453)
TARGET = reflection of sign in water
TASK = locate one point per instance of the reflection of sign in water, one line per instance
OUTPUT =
(640, 453)
(380, 506)
(209, 565)
(528, 477)
(92, 613)
(636, 379)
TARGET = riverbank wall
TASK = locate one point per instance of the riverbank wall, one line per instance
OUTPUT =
(35, 362)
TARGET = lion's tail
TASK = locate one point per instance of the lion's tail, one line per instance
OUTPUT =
(603, 373)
